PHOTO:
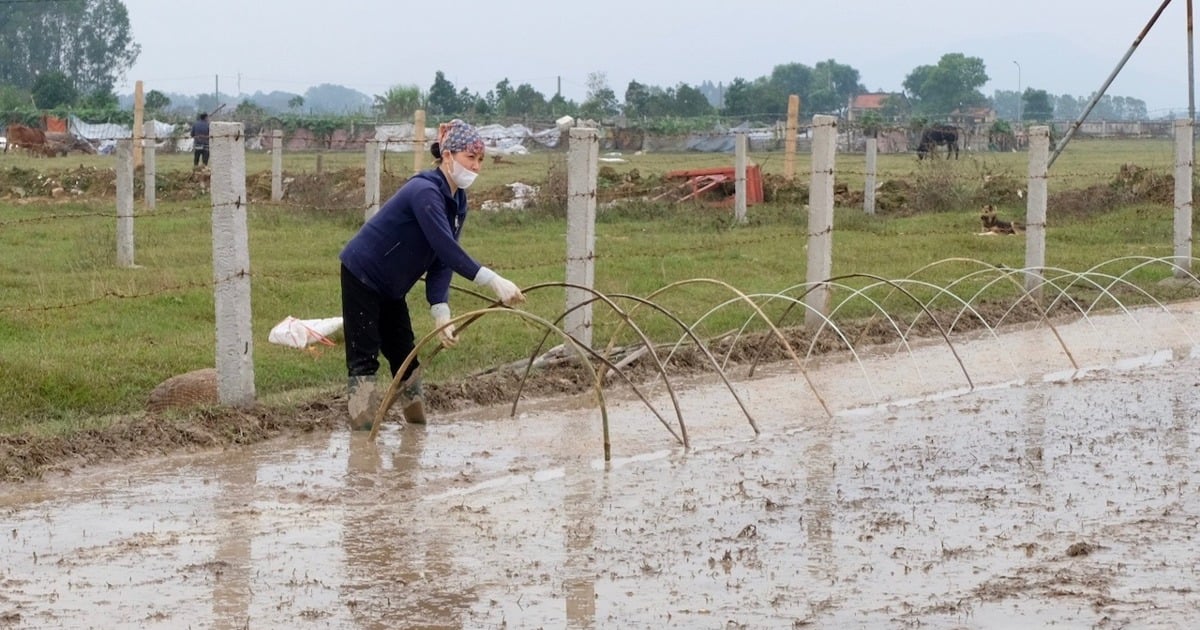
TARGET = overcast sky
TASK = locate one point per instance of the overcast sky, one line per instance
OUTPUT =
(1062, 46)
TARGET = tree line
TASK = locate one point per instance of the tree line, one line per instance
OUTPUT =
(67, 55)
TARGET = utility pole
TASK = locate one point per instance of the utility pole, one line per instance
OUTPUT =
(1019, 96)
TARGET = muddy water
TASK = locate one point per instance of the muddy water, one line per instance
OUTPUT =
(1061, 490)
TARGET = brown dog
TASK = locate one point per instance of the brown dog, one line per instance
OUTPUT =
(993, 225)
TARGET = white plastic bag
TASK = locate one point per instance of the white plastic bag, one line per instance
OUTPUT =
(302, 333)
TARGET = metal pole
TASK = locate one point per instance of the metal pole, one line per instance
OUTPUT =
(1096, 99)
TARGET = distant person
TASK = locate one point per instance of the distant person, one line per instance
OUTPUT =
(415, 233)
(200, 140)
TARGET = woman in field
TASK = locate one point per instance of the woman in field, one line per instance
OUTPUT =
(415, 233)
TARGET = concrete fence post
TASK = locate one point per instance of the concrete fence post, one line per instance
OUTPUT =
(139, 108)
(125, 203)
(231, 266)
(277, 165)
(1184, 176)
(583, 166)
(372, 178)
(872, 164)
(418, 140)
(1035, 209)
(150, 193)
(820, 221)
(739, 176)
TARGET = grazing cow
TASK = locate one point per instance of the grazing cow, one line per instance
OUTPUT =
(935, 136)
(28, 138)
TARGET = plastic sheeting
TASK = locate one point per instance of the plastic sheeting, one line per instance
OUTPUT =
(499, 139)
(105, 135)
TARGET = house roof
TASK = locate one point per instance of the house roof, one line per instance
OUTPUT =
(870, 101)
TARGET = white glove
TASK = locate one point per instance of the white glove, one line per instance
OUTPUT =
(505, 290)
(441, 319)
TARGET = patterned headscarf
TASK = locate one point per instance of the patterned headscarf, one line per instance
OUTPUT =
(460, 136)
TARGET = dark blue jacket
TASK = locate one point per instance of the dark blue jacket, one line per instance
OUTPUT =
(415, 232)
(200, 134)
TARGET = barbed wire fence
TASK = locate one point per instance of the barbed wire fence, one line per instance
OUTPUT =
(232, 274)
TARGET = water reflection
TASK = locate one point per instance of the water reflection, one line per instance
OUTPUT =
(580, 504)
(400, 557)
(232, 563)
(818, 518)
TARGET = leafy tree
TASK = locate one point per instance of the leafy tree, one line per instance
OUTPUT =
(739, 97)
(470, 103)
(637, 97)
(249, 111)
(1036, 105)
(13, 98)
(100, 98)
(53, 89)
(601, 101)
(794, 78)
(443, 98)
(88, 41)
(560, 106)
(871, 122)
(296, 102)
(399, 102)
(952, 84)
(690, 102)
(761, 99)
(156, 101)
(895, 108)
(526, 101)
(833, 85)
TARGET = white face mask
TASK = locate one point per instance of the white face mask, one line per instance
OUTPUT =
(463, 177)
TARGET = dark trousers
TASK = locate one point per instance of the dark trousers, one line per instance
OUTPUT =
(198, 155)
(372, 324)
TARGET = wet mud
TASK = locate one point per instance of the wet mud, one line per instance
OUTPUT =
(1043, 477)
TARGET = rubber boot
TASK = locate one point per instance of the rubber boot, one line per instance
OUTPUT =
(412, 399)
(362, 401)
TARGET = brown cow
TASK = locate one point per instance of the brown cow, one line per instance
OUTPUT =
(27, 138)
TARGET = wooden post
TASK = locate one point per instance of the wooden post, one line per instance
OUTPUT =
(231, 266)
(1184, 155)
(820, 221)
(1035, 209)
(125, 203)
(789, 142)
(583, 167)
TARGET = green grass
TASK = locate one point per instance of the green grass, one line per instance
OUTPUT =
(82, 340)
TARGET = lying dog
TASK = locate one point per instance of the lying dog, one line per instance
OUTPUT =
(992, 225)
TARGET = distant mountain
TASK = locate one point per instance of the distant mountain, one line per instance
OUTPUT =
(321, 99)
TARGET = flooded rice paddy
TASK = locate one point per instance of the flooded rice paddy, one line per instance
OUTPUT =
(1045, 495)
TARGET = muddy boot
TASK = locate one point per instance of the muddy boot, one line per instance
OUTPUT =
(362, 401)
(412, 399)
